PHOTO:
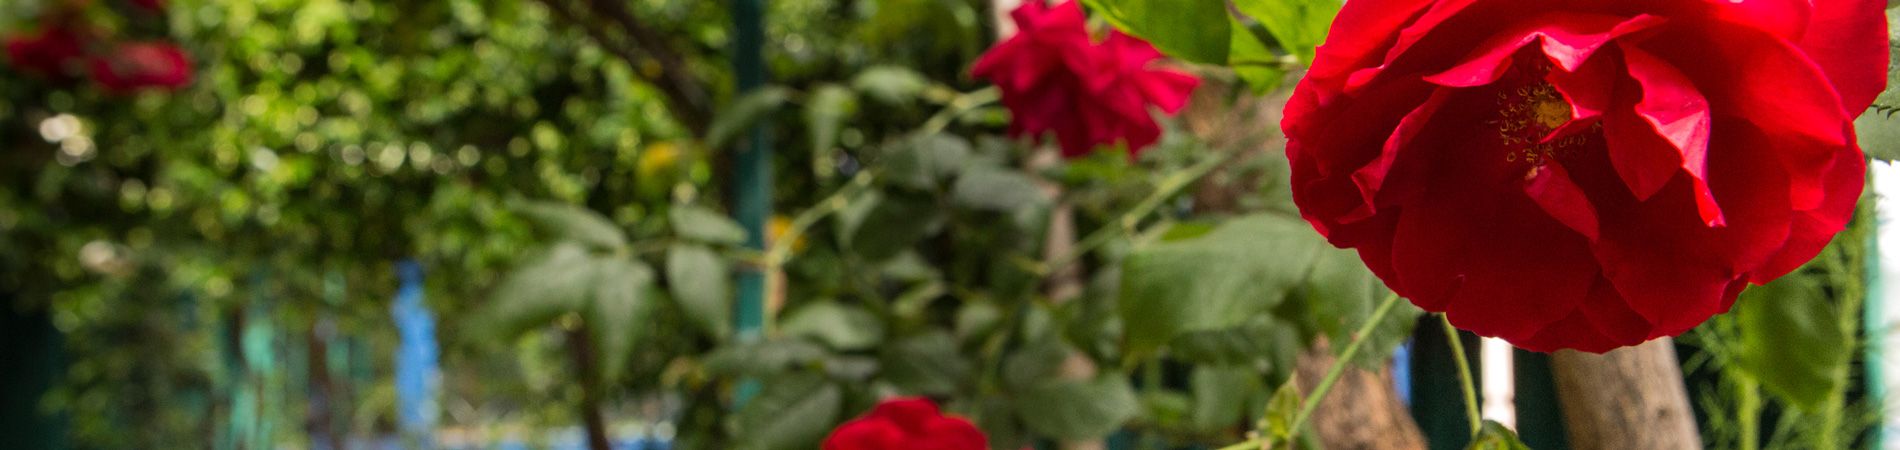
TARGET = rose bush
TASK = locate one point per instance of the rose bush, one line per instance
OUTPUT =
(1054, 78)
(52, 52)
(142, 65)
(906, 424)
(1584, 175)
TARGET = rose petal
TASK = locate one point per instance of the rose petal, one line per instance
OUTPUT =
(1846, 38)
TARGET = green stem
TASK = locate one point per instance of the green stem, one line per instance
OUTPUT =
(1333, 373)
(1464, 374)
(781, 248)
(1748, 412)
(958, 106)
(1167, 188)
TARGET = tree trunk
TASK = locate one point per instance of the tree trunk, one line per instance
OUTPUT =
(1629, 398)
(592, 419)
(1362, 412)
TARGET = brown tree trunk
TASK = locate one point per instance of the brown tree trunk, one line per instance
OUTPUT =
(1629, 398)
(592, 419)
(1362, 412)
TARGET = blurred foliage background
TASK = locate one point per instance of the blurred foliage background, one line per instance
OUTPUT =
(220, 261)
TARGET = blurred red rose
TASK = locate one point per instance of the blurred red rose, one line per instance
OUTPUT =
(1053, 77)
(55, 52)
(152, 5)
(1585, 175)
(906, 424)
(142, 65)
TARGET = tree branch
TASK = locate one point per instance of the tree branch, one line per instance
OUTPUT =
(642, 48)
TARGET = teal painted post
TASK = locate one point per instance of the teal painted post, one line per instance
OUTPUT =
(752, 173)
(31, 364)
(1540, 420)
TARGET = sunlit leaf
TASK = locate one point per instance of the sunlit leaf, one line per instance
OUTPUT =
(1192, 30)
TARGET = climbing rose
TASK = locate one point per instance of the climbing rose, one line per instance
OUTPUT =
(142, 65)
(1584, 174)
(1053, 77)
(51, 53)
(906, 424)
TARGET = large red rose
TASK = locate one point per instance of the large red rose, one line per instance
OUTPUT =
(142, 65)
(1053, 77)
(906, 424)
(1585, 174)
(55, 51)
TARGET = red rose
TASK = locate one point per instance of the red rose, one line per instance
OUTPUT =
(906, 424)
(150, 5)
(54, 52)
(142, 65)
(1585, 174)
(1054, 78)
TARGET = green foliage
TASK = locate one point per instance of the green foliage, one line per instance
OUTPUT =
(1264, 40)
(703, 225)
(790, 413)
(1877, 128)
(1296, 25)
(1242, 268)
(839, 326)
(1192, 30)
(700, 282)
(1078, 409)
(1282, 410)
(1792, 312)
(1203, 289)
(1494, 436)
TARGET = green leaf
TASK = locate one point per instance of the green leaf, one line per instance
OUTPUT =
(1079, 409)
(763, 358)
(790, 413)
(744, 112)
(621, 308)
(1494, 436)
(840, 326)
(1253, 62)
(1218, 280)
(555, 283)
(825, 113)
(890, 84)
(924, 162)
(1264, 341)
(1282, 409)
(1035, 363)
(1191, 30)
(1298, 25)
(996, 189)
(700, 224)
(925, 364)
(1341, 294)
(1792, 313)
(1879, 127)
(884, 224)
(701, 284)
(574, 223)
(1220, 396)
